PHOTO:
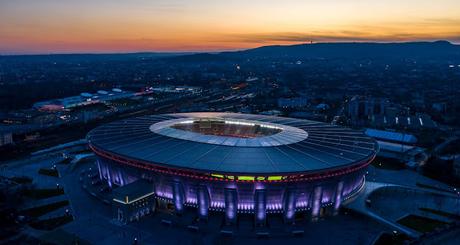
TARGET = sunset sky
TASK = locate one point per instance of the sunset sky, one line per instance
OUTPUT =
(61, 26)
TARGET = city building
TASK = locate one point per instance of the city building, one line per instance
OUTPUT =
(379, 113)
(6, 138)
(391, 136)
(234, 163)
(415, 122)
(292, 102)
(175, 89)
(361, 108)
(83, 99)
(398, 146)
(133, 201)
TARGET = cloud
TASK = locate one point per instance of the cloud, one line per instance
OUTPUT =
(341, 36)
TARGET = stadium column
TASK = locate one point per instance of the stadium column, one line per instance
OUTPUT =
(109, 177)
(178, 197)
(153, 201)
(99, 169)
(338, 197)
(121, 180)
(231, 205)
(203, 202)
(317, 200)
(260, 201)
(289, 205)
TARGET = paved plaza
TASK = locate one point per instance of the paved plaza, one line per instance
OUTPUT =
(94, 224)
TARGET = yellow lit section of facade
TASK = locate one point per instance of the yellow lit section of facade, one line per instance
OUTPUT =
(217, 176)
(275, 177)
(246, 178)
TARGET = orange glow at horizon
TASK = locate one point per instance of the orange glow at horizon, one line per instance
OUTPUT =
(52, 26)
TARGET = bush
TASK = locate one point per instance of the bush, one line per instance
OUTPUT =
(53, 223)
(49, 172)
(41, 210)
(388, 164)
(43, 193)
(421, 224)
(387, 238)
(21, 179)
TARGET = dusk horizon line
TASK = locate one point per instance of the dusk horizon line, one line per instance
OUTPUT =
(223, 50)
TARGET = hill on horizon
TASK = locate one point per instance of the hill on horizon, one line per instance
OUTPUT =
(348, 50)
(429, 50)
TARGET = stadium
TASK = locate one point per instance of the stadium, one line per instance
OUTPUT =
(235, 163)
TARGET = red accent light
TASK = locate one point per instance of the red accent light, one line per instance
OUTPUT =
(198, 175)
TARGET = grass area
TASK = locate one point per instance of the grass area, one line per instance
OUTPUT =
(387, 238)
(421, 224)
(84, 151)
(44, 209)
(21, 179)
(452, 148)
(51, 224)
(441, 213)
(434, 188)
(43, 193)
(59, 236)
(49, 172)
(389, 164)
(8, 224)
(65, 161)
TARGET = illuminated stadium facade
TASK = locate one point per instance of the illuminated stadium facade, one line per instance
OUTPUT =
(236, 163)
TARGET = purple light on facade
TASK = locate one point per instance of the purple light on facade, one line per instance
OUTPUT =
(230, 205)
(244, 199)
(120, 176)
(203, 201)
(301, 204)
(338, 196)
(162, 194)
(316, 201)
(109, 178)
(289, 205)
(274, 206)
(259, 186)
(260, 206)
(326, 195)
(191, 200)
(245, 206)
(230, 185)
(178, 194)
(218, 204)
(99, 168)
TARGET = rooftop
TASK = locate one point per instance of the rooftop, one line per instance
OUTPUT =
(391, 136)
(133, 191)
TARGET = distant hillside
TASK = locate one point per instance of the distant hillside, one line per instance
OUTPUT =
(424, 50)
(428, 50)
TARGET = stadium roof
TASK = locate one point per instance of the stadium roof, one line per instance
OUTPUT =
(323, 147)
